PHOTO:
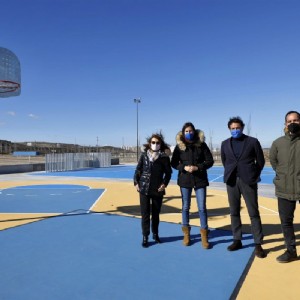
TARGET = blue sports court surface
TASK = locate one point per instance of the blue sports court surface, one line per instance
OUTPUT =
(96, 256)
(82, 254)
(215, 174)
(48, 198)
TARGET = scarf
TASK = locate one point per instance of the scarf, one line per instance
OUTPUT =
(153, 155)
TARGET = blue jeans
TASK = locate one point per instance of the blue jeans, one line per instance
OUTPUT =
(186, 194)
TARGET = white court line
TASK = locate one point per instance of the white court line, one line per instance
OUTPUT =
(273, 211)
(86, 188)
(216, 178)
(91, 208)
(29, 213)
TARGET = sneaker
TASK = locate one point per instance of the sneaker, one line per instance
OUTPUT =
(236, 245)
(259, 251)
(287, 256)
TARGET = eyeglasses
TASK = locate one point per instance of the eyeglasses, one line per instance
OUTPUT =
(153, 142)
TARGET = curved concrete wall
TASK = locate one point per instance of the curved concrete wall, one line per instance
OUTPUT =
(25, 168)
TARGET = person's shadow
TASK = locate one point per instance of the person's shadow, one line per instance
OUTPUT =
(223, 232)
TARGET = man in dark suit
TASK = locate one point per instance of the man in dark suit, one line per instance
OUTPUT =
(243, 161)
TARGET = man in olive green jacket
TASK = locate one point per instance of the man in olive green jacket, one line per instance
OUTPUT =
(285, 160)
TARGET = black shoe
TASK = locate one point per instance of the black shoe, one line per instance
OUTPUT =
(259, 251)
(145, 242)
(236, 245)
(287, 256)
(156, 238)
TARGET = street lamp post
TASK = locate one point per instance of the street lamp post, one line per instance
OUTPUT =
(137, 101)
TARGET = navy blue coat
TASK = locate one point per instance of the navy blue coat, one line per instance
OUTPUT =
(250, 163)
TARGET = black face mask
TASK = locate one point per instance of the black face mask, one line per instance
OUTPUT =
(294, 128)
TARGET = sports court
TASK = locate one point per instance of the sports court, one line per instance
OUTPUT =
(77, 235)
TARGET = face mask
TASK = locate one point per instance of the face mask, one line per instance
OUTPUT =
(155, 147)
(236, 133)
(294, 128)
(189, 136)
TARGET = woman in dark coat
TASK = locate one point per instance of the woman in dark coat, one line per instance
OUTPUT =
(151, 177)
(192, 157)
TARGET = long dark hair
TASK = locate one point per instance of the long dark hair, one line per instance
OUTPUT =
(186, 125)
(159, 136)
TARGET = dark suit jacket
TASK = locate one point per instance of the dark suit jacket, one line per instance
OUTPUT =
(249, 164)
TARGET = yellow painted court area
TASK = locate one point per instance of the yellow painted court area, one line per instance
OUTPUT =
(266, 279)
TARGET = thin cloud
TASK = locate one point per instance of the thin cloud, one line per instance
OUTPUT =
(11, 113)
(32, 116)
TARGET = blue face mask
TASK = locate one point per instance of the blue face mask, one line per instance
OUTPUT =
(189, 136)
(236, 133)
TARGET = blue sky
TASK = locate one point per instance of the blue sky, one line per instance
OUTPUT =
(84, 61)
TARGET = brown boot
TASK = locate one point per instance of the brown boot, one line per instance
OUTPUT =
(186, 235)
(204, 238)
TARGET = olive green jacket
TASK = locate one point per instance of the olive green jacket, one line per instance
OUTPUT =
(285, 160)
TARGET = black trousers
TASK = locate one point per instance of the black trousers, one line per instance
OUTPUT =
(286, 209)
(249, 193)
(150, 204)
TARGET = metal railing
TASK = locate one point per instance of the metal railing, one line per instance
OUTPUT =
(59, 162)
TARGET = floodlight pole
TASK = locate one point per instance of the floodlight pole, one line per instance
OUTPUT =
(137, 101)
